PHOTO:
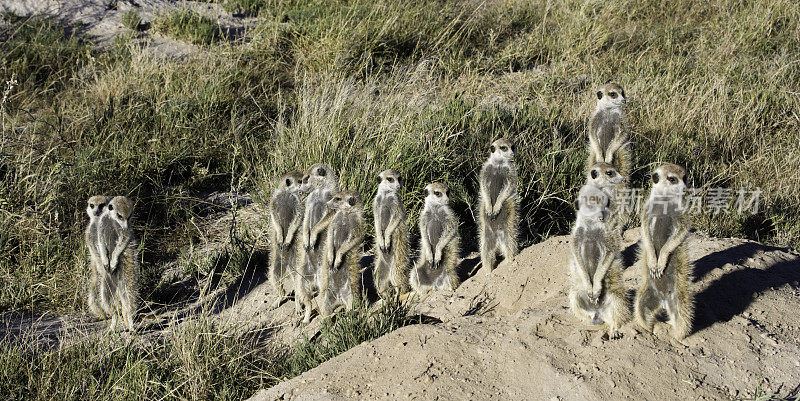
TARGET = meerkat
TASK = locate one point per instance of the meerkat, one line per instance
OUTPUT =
(320, 182)
(499, 203)
(117, 250)
(608, 179)
(94, 208)
(439, 243)
(663, 257)
(597, 294)
(286, 215)
(608, 129)
(391, 237)
(342, 253)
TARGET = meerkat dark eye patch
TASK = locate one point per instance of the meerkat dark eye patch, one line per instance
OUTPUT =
(321, 172)
(119, 216)
(612, 95)
(599, 95)
(437, 193)
(504, 148)
(610, 173)
(655, 178)
(91, 205)
(337, 199)
(351, 201)
(594, 174)
(288, 182)
(110, 207)
(673, 180)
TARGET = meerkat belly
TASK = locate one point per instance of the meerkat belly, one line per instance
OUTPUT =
(286, 210)
(386, 213)
(499, 224)
(495, 178)
(661, 227)
(592, 251)
(341, 231)
(435, 229)
(606, 129)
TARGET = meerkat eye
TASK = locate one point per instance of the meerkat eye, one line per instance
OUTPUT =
(437, 193)
(504, 148)
(594, 174)
(610, 173)
(91, 205)
(351, 201)
(337, 199)
(321, 172)
(288, 182)
(110, 207)
(655, 178)
(119, 216)
(673, 180)
(612, 95)
(599, 95)
(492, 149)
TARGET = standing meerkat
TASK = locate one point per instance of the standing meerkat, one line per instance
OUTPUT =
(608, 179)
(320, 182)
(391, 237)
(95, 207)
(119, 292)
(664, 261)
(499, 204)
(597, 294)
(439, 243)
(286, 215)
(608, 129)
(340, 284)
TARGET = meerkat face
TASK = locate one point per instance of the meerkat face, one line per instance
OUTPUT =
(120, 209)
(669, 179)
(438, 194)
(346, 201)
(96, 206)
(318, 175)
(610, 95)
(502, 150)
(290, 181)
(389, 181)
(604, 174)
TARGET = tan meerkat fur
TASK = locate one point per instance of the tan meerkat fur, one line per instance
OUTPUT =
(607, 178)
(608, 129)
(597, 295)
(286, 216)
(439, 244)
(320, 183)
(498, 218)
(117, 246)
(96, 206)
(663, 258)
(391, 237)
(342, 250)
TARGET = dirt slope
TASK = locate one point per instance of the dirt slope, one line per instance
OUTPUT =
(509, 335)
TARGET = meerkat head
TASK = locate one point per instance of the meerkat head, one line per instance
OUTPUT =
(502, 150)
(604, 175)
(610, 95)
(96, 206)
(120, 209)
(319, 175)
(438, 194)
(592, 204)
(290, 181)
(668, 179)
(346, 201)
(389, 181)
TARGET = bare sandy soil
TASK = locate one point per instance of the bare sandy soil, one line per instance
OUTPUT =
(510, 335)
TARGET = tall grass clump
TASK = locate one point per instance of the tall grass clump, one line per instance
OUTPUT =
(189, 25)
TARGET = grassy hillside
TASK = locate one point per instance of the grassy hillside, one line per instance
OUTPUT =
(421, 87)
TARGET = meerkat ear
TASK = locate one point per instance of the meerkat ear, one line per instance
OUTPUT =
(110, 207)
(599, 95)
(575, 205)
(622, 92)
(321, 172)
(655, 178)
(491, 149)
(594, 174)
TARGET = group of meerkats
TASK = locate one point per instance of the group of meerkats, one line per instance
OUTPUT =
(317, 241)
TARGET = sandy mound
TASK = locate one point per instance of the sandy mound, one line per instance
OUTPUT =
(509, 335)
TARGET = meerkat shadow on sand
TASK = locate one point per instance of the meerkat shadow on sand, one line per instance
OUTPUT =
(253, 276)
(732, 293)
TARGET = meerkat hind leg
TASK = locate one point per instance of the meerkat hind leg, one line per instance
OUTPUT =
(647, 304)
